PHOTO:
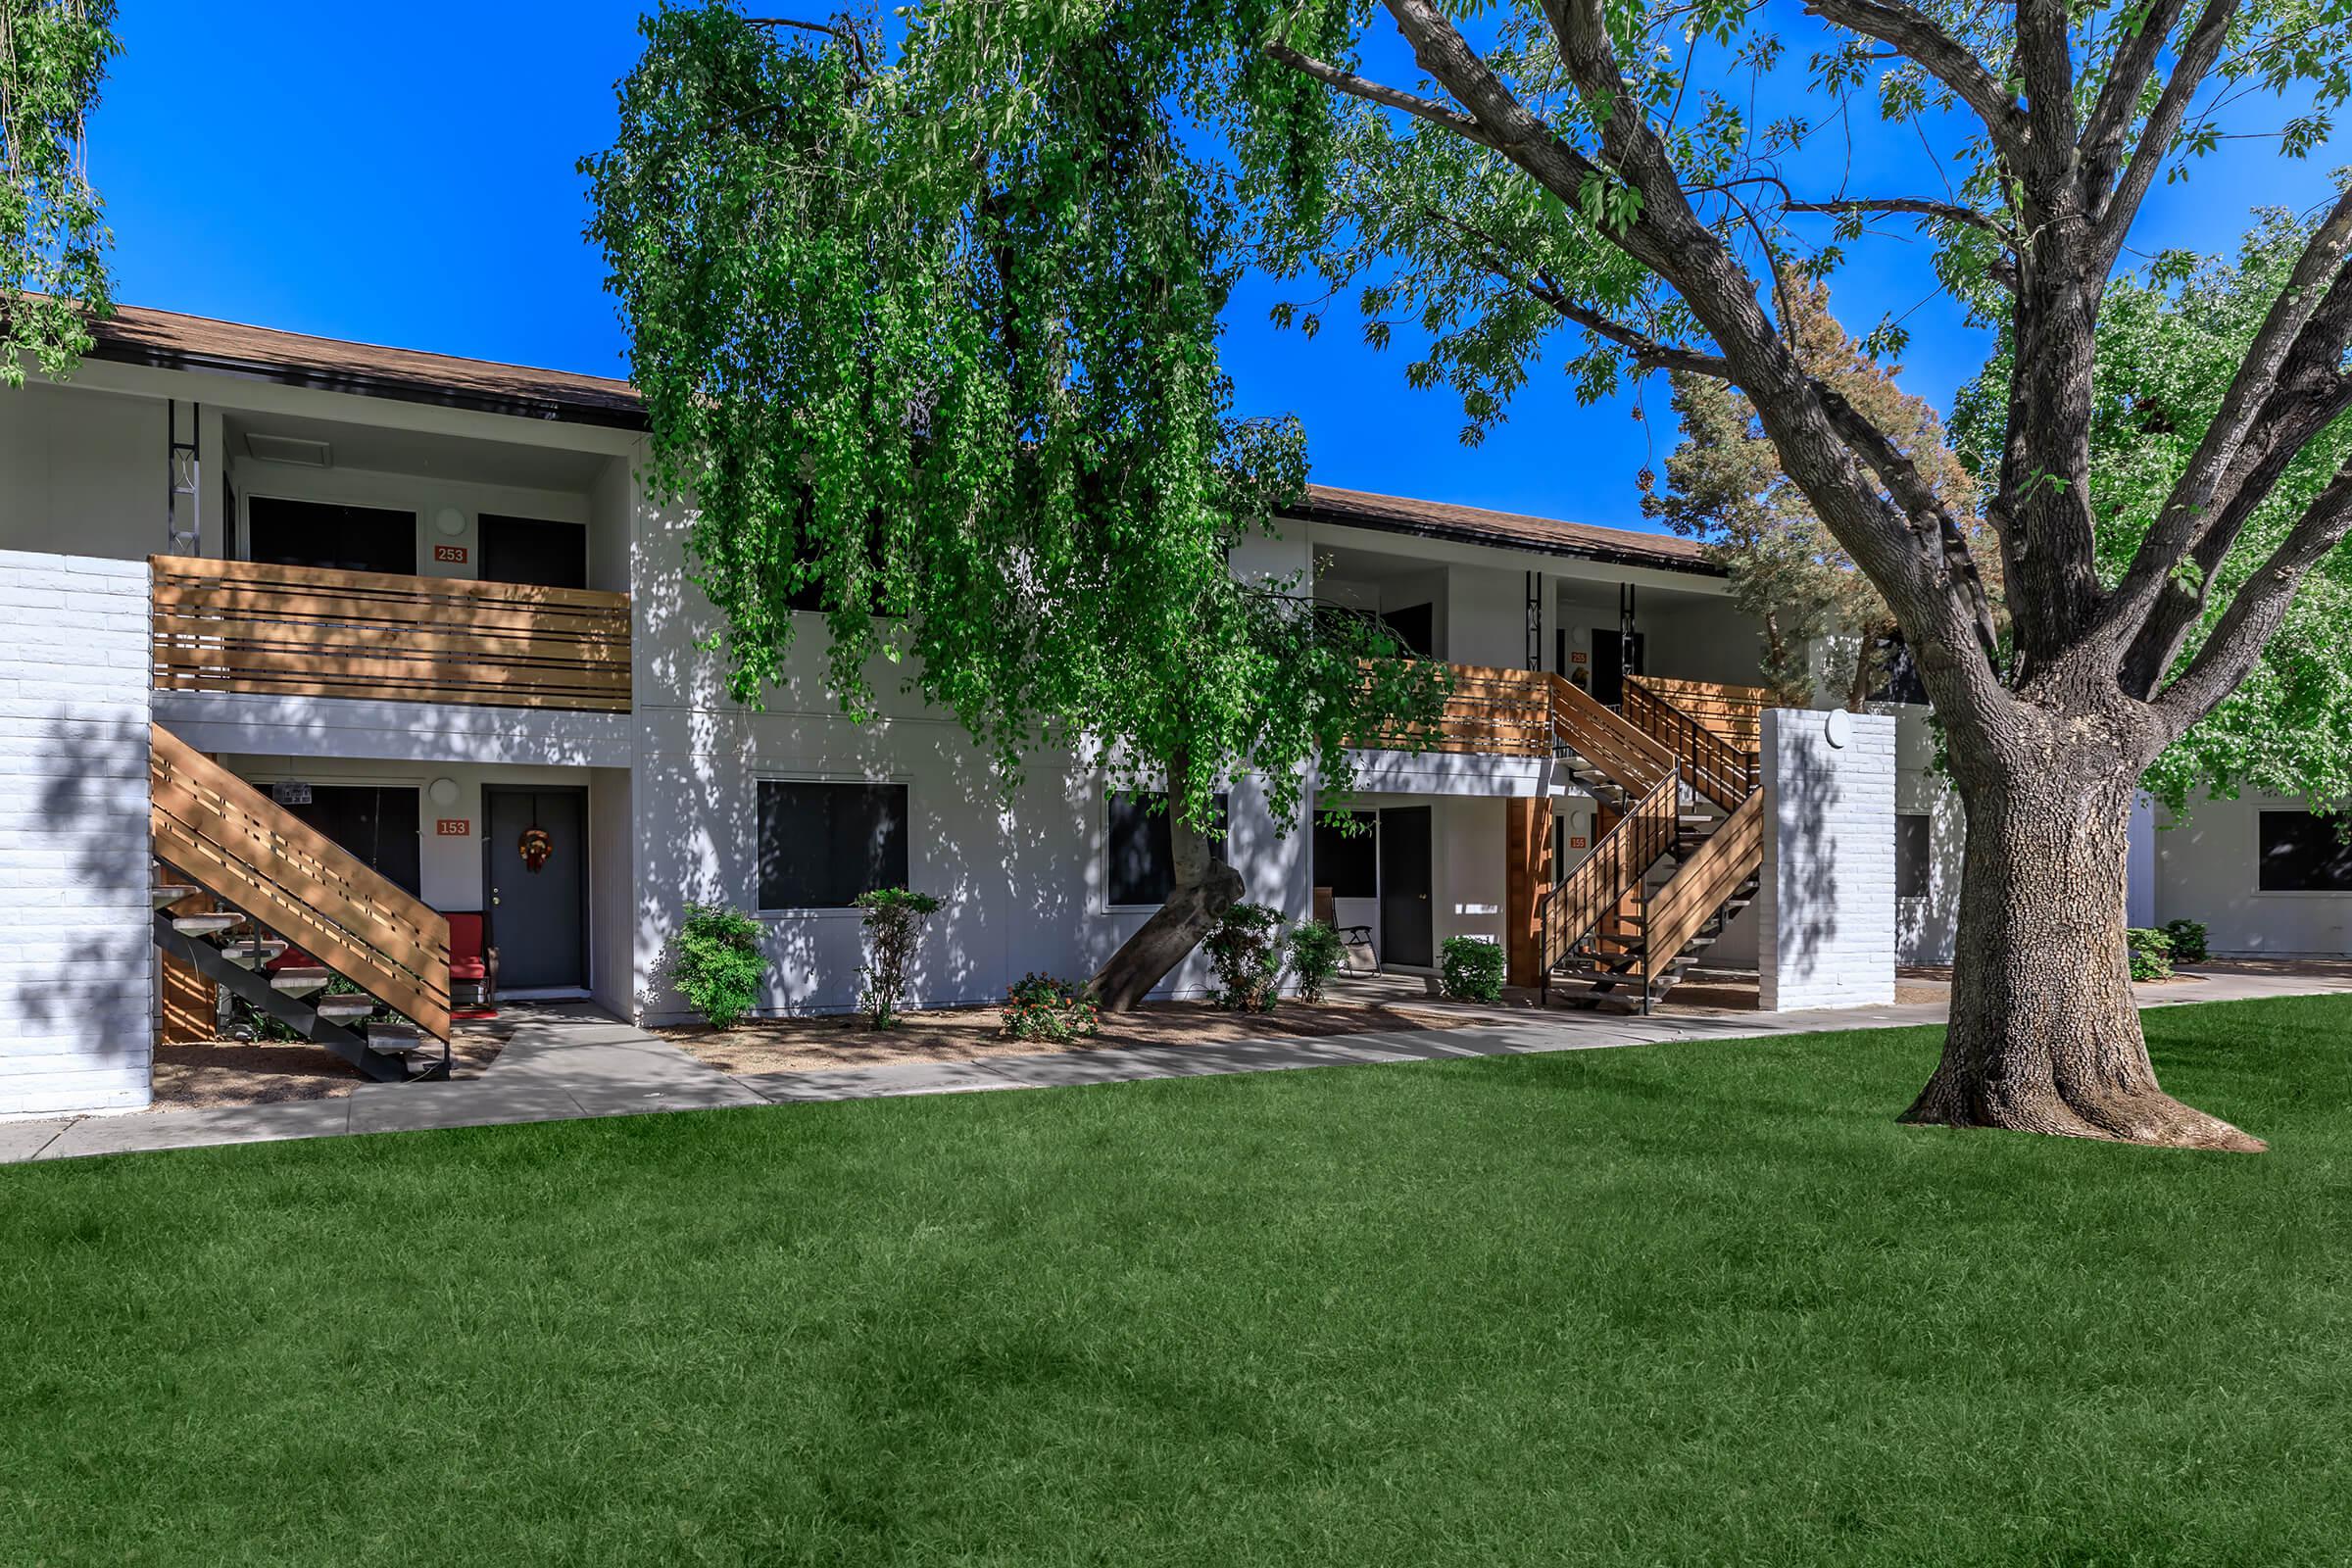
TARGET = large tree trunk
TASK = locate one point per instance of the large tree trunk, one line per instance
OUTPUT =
(2043, 1035)
(1206, 888)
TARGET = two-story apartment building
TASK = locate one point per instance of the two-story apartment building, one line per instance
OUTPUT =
(310, 647)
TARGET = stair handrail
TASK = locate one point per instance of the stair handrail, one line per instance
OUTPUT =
(235, 843)
(1702, 884)
(1632, 760)
(1619, 859)
(1724, 773)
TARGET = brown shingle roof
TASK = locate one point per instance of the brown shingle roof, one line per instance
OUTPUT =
(1438, 519)
(135, 335)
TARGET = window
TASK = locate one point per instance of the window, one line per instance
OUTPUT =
(1143, 864)
(1902, 683)
(336, 538)
(2304, 852)
(379, 826)
(822, 845)
(1347, 861)
(1912, 855)
(533, 550)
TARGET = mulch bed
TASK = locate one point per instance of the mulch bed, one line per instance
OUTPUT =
(960, 1034)
(211, 1075)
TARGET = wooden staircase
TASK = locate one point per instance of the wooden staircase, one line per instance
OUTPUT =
(280, 884)
(1681, 862)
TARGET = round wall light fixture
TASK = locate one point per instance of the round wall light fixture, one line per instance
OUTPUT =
(1838, 728)
(450, 521)
(445, 792)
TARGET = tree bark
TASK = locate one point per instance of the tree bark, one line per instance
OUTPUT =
(2043, 1036)
(1206, 888)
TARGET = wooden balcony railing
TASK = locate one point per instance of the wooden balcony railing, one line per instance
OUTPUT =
(1734, 714)
(1489, 711)
(300, 631)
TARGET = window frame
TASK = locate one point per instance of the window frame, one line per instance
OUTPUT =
(2255, 855)
(1927, 854)
(760, 910)
(1224, 799)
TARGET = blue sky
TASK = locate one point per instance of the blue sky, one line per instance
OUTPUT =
(404, 175)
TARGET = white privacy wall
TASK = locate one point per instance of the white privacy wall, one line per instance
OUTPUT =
(77, 947)
(1825, 935)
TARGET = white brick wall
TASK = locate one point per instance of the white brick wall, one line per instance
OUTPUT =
(1827, 903)
(76, 953)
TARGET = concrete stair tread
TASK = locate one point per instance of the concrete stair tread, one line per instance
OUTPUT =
(166, 894)
(205, 925)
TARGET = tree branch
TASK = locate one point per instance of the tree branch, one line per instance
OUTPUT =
(1355, 86)
(2116, 211)
(2260, 608)
(1941, 212)
(1941, 56)
(2128, 70)
(1648, 353)
(2306, 331)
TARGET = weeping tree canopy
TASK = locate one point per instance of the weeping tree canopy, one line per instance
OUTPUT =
(931, 334)
(53, 238)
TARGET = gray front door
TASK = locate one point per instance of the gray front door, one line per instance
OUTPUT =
(537, 919)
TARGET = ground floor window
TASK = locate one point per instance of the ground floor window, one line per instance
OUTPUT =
(1348, 855)
(1913, 841)
(378, 825)
(2304, 851)
(1141, 869)
(823, 844)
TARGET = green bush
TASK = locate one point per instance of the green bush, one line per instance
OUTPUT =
(1039, 1006)
(2151, 953)
(717, 964)
(1314, 956)
(1471, 970)
(894, 920)
(2188, 940)
(1245, 950)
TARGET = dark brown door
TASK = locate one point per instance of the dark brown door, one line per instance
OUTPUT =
(1408, 923)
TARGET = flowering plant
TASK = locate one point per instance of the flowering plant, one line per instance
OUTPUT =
(1038, 1006)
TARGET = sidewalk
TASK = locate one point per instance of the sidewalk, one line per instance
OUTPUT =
(576, 1062)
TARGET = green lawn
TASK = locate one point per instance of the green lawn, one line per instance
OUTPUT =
(1680, 1303)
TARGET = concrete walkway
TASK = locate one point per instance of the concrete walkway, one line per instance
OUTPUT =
(572, 1062)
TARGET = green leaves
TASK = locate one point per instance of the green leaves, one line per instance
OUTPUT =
(929, 345)
(52, 235)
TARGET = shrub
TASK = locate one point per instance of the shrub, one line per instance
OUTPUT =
(2151, 953)
(1471, 970)
(1314, 956)
(2188, 940)
(1039, 1006)
(717, 964)
(1245, 950)
(894, 920)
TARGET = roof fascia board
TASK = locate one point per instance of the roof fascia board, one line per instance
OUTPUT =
(1439, 547)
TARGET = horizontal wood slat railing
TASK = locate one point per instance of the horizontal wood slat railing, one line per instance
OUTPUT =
(1733, 853)
(1723, 772)
(229, 839)
(301, 631)
(1735, 713)
(1490, 711)
(1633, 762)
(1614, 867)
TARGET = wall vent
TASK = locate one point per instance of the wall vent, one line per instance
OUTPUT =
(289, 449)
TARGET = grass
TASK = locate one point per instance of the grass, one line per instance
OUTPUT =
(1678, 1303)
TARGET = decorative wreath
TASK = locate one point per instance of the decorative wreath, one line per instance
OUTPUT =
(536, 844)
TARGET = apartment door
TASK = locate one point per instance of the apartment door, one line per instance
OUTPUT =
(531, 549)
(1609, 667)
(538, 917)
(375, 824)
(1408, 921)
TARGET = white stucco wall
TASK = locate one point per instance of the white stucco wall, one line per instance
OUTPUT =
(2206, 866)
(1827, 937)
(76, 942)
